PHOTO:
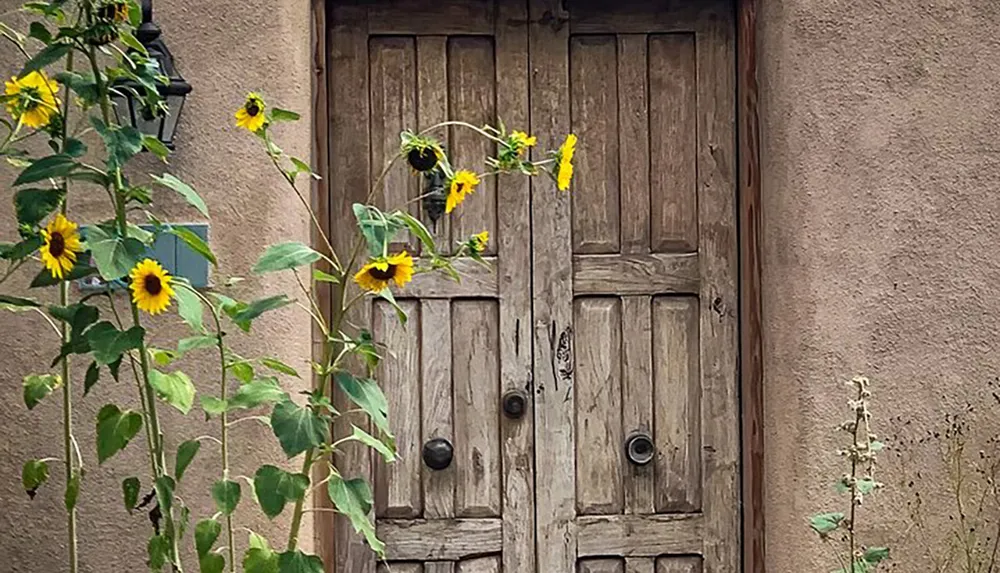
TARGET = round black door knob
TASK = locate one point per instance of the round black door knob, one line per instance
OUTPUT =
(438, 453)
(639, 448)
(515, 403)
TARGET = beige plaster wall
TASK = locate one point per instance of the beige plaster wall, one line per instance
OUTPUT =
(881, 169)
(223, 48)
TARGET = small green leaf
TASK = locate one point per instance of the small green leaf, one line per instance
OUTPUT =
(162, 357)
(213, 406)
(278, 114)
(175, 388)
(72, 490)
(285, 256)
(17, 301)
(419, 230)
(38, 31)
(186, 345)
(876, 555)
(257, 560)
(226, 495)
(155, 146)
(109, 344)
(245, 316)
(257, 392)
(130, 492)
(51, 167)
(114, 256)
(298, 562)
(122, 142)
(21, 250)
(303, 167)
(75, 148)
(190, 308)
(115, 428)
(38, 386)
(400, 313)
(388, 452)
(297, 428)
(876, 446)
(185, 454)
(34, 473)
(206, 532)
(158, 549)
(79, 271)
(322, 277)
(366, 393)
(184, 190)
(243, 371)
(196, 243)
(275, 487)
(212, 563)
(353, 498)
(92, 376)
(165, 486)
(279, 366)
(31, 206)
(49, 55)
(824, 523)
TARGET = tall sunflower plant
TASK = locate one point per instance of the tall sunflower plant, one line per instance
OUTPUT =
(78, 54)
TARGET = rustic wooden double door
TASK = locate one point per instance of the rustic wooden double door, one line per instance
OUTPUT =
(585, 388)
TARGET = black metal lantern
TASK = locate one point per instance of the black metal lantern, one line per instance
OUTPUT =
(131, 110)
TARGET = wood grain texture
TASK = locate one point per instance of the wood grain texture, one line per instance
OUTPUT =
(751, 329)
(401, 568)
(633, 152)
(596, 194)
(673, 115)
(637, 396)
(601, 566)
(513, 272)
(635, 274)
(477, 281)
(490, 564)
(678, 565)
(552, 296)
(719, 303)
(640, 536)
(397, 485)
(348, 182)
(436, 403)
(439, 567)
(427, 17)
(472, 98)
(677, 401)
(393, 77)
(439, 539)
(640, 565)
(432, 109)
(474, 326)
(638, 16)
(598, 343)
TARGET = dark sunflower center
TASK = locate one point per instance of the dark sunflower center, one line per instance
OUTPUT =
(57, 244)
(152, 284)
(422, 159)
(30, 98)
(460, 188)
(253, 108)
(381, 275)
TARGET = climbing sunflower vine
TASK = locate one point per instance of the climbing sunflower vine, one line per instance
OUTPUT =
(80, 56)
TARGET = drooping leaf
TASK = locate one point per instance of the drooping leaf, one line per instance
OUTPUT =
(285, 256)
(212, 563)
(185, 454)
(50, 167)
(38, 386)
(72, 490)
(115, 429)
(377, 228)
(353, 498)
(18, 301)
(258, 392)
(366, 393)
(21, 250)
(876, 555)
(122, 142)
(109, 344)
(387, 451)
(190, 308)
(260, 560)
(165, 486)
(48, 55)
(31, 206)
(175, 388)
(323, 277)
(244, 317)
(279, 366)
(419, 231)
(38, 31)
(278, 114)
(196, 243)
(298, 428)
(206, 532)
(184, 190)
(186, 345)
(824, 523)
(114, 256)
(158, 549)
(226, 495)
(298, 562)
(275, 487)
(242, 370)
(213, 406)
(155, 146)
(79, 271)
(162, 357)
(130, 492)
(34, 473)
(387, 295)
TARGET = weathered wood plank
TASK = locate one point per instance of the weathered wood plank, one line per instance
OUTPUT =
(513, 243)
(635, 274)
(401, 568)
(596, 222)
(601, 566)
(439, 539)
(397, 485)
(436, 401)
(475, 335)
(640, 536)
(393, 96)
(673, 150)
(718, 257)
(425, 17)
(678, 565)
(677, 404)
(637, 16)
(439, 567)
(598, 340)
(348, 182)
(489, 564)
(640, 565)
(477, 281)
(472, 98)
(633, 115)
(553, 297)
(432, 109)
(637, 396)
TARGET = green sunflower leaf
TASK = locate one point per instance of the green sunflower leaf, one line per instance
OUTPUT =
(206, 532)
(212, 563)
(298, 562)
(366, 393)
(108, 343)
(115, 429)
(324, 277)
(192, 343)
(158, 549)
(190, 308)
(419, 230)
(130, 492)
(285, 256)
(387, 295)
(122, 142)
(175, 388)
(260, 560)
(825, 523)
(38, 386)
(31, 205)
(23, 249)
(387, 451)
(226, 495)
(279, 366)
(353, 498)
(156, 147)
(875, 555)
(164, 487)
(196, 243)
(213, 406)
(18, 301)
(185, 455)
(242, 370)
(49, 55)
(72, 492)
(114, 256)
(82, 86)
(184, 190)
(79, 271)
(278, 114)
(258, 392)
(298, 428)
(377, 228)
(38, 31)
(34, 473)
(91, 378)
(245, 316)
(275, 487)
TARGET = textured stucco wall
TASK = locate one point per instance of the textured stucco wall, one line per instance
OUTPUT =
(223, 48)
(881, 168)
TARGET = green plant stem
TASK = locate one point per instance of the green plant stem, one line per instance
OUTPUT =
(223, 394)
(293, 533)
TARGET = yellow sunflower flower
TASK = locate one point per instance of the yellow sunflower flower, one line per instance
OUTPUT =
(32, 99)
(463, 183)
(480, 241)
(565, 174)
(62, 243)
(251, 115)
(521, 141)
(151, 290)
(378, 273)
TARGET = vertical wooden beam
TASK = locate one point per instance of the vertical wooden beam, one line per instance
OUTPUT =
(751, 336)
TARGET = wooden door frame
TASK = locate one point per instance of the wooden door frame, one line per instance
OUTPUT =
(749, 217)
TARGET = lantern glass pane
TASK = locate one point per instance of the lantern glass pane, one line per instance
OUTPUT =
(175, 103)
(123, 110)
(147, 123)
